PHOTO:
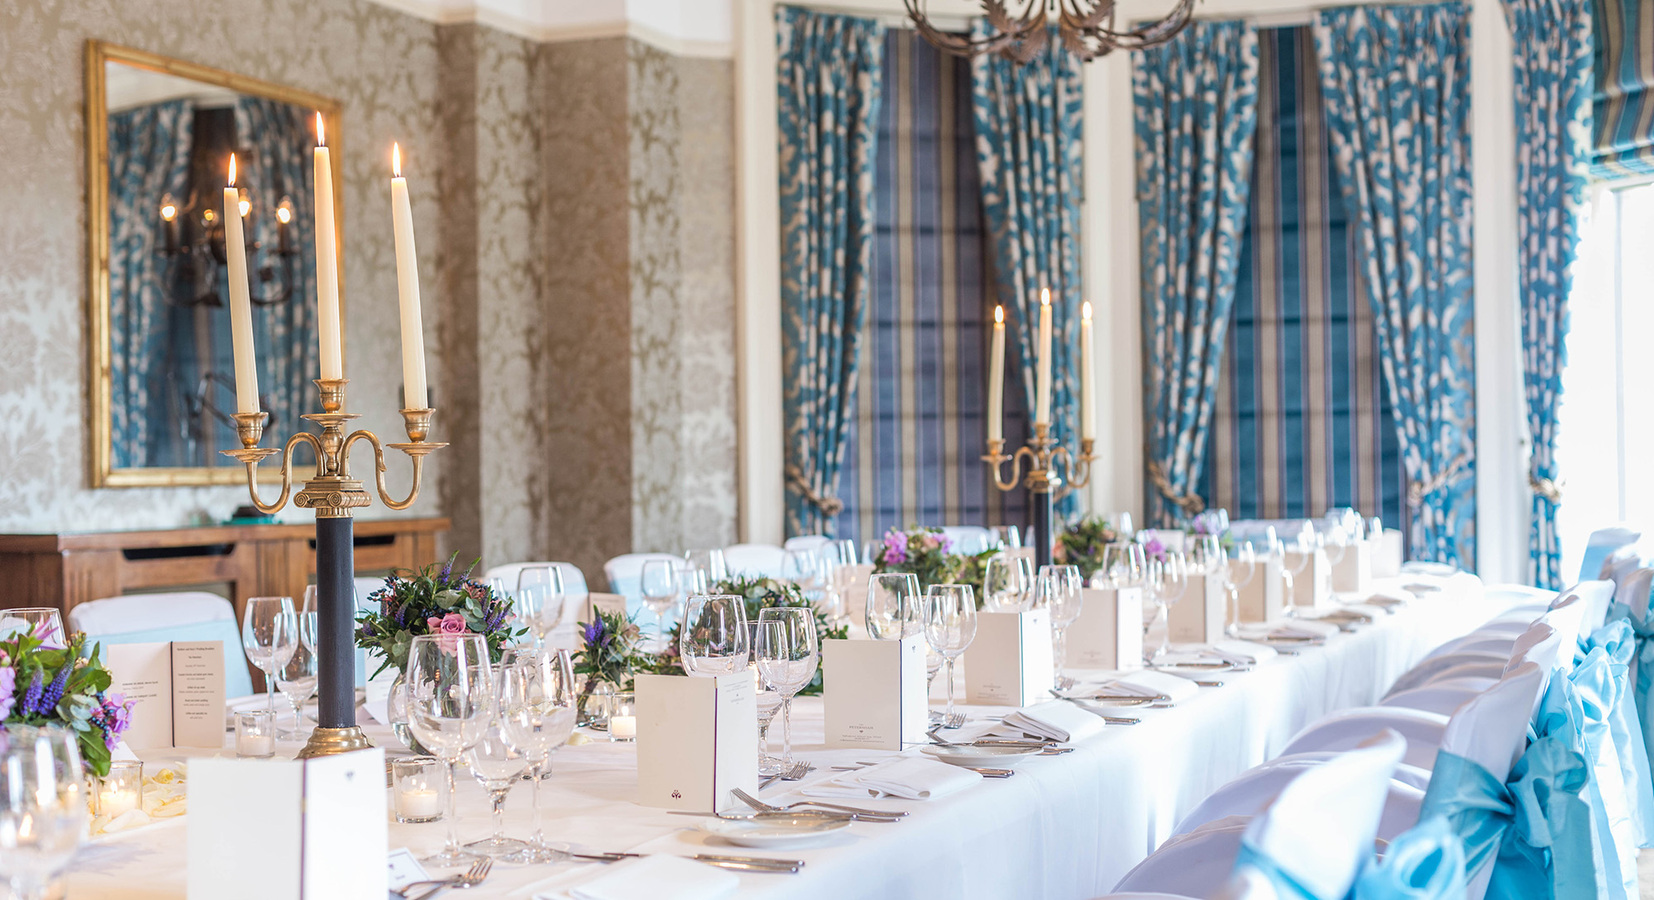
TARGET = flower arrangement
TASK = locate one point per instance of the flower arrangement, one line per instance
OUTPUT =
(759, 594)
(41, 685)
(433, 601)
(1210, 522)
(610, 651)
(1081, 544)
(1154, 549)
(924, 552)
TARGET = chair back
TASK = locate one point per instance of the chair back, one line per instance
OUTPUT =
(574, 580)
(625, 574)
(159, 618)
(1632, 591)
(807, 542)
(970, 539)
(1491, 729)
(1594, 597)
(1603, 543)
(754, 560)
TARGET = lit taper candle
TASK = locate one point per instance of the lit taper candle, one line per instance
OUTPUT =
(1042, 407)
(241, 304)
(996, 379)
(1088, 413)
(407, 286)
(327, 263)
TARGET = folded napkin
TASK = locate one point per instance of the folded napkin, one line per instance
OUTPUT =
(1257, 653)
(1056, 720)
(1148, 683)
(658, 877)
(1304, 628)
(908, 777)
(1420, 567)
(1388, 601)
(1367, 608)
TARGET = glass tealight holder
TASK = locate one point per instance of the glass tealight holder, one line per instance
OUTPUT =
(255, 734)
(418, 786)
(121, 791)
(622, 716)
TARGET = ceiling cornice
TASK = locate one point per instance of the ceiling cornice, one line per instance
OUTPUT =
(697, 28)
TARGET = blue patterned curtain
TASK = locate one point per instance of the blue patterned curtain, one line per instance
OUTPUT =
(1028, 148)
(1303, 420)
(1196, 106)
(149, 154)
(1623, 106)
(828, 72)
(1397, 85)
(279, 140)
(1552, 39)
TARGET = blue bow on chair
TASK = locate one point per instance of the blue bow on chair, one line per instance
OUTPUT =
(1426, 862)
(1632, 722)
(1286, 887)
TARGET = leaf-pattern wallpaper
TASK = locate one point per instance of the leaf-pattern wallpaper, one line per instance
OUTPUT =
(547, 257)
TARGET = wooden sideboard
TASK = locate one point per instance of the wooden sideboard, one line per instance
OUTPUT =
(63, 570)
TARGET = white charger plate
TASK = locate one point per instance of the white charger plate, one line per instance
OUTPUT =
(773, 831)
(978, 756)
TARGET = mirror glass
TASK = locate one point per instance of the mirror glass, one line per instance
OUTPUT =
(168, 375)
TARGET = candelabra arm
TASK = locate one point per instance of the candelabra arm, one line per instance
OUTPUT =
(250, 427)
(418, 425)
(1078, 469)
(996, 459)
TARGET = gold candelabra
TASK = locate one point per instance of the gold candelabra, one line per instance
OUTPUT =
(333, 493)
(1042, 456)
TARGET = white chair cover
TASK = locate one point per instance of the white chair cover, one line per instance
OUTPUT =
(1444, 696)
(1412, 776)
(754, 560)
(1603, 544)
(807, 542)
(144, 612)
(1593, 598)
(1433, 667)
(1255, 789)
(625, 572)
(1632, 591)
(574, 580)
(970, 539)
(1346, 730)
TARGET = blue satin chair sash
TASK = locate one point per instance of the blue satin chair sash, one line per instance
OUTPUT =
(1633, 724)
(1426, 862)
(1598, 682)
(1286, 887)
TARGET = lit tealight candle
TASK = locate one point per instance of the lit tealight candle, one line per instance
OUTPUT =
(116, 801)
(418, 803)
(623, 728)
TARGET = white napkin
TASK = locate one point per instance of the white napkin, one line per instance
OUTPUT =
(908, 777)
(1305, 628)
(1246, 650)
(1148, 683)
(1056, 720)
(1370, 610)
(1420, 567)
(658, 877)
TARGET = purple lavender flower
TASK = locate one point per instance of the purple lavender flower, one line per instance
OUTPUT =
(447, 568)
(1154, 549)
(594, 631)
(31, 697)
(895, 548)
(8, 691)
(54, 692)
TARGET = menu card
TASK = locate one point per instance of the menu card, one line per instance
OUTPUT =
(1387, 554)
(1263, 596)
(1009, 663)
(697, 740)
(1109, 632)
(177, 690)
(1198, 617)
(875, 692)
(1312, 585)
(1353, 574)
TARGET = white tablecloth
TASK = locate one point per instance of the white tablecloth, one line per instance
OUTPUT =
(1063, 827)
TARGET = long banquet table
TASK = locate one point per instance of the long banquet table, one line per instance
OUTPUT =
(1063, 827)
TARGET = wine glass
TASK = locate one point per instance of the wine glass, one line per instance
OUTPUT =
(42, 622)
(269, 635)
(1122, 525)
(659, 583)
(1165, 579)
(450, 701)
(1374, 528)
(1007, 583)
(713, 639)
(950, 626)
(1237, 573)
(539, 599)
(831, 557)
(893, 606)
(43, 806)
(1205, 553)
(537, 713)
(1057, 589)
(789, 652)
(709, 561)
(1123, 564)
(296, 678)
(497, 764)
(308, 613)
(1008, 537)
(769, 703)
(1296, 553)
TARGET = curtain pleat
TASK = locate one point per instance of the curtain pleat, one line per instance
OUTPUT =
(1623, 102)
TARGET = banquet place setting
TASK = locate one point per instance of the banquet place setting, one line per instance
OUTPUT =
(826, 449)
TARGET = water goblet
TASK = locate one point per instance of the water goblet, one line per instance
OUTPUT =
(269, 636)
(1007, 583)
(713, 639)
(660, 587)
(769, 703)
(1123, 564)
(789, 652)
(893, 610)
(537, 713)
(709, 561)
(1237, 573)
(950, 626)
(1057, 589)
(497, 765)
(43, 807)
(1165, 580)
(538, 600)
(1122, 525)
(296, 678)
(1297, 551)
(42, 622)
(450, 702)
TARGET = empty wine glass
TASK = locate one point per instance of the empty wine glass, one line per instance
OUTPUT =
(769, 703)
(1122, 525)
(1237, 573)
(1296, 552)
(1375, 528)
(538, 600)
(450, 701)
(1123, 564)
(789, 652)
(950, 626)
(831, 604)
(802, 568)
(42, 622)
(1007, 583)
(296, 678)
(711, 562)
(893, 606)
(308, 614)
(1333, 542)
(659, 583)
(269, 636)
(713, 639)
(43, 806)
(1057, 589)
(1007, 537)
(497, 764)
(537, 713)
(1165, 579)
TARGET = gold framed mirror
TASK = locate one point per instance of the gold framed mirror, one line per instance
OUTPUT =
(159, 132)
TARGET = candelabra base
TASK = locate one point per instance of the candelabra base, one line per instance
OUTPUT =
(330, 741)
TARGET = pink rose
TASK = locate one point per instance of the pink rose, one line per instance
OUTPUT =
(452, 623)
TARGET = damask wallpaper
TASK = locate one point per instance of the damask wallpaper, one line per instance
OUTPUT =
(575, 205)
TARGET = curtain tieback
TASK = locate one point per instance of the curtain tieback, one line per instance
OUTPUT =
(1549, 489)
(829, 505)
(1419, 489)
(1190, 503)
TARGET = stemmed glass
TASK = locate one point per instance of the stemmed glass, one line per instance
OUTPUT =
(537, 712)
(1122, 525)
(1123, 564)
(1057, 589)
(831, 556)
(1375, 528)
(497, 763)
(950, 626)
(892, 606)
(1007, 583)
(43, 807)
(1245, 562)
(43, 622)
(709, 561)
(769, 703)
(789, 652)
(1296, 553)
(1008, 537)
(270, 636)
(296, 678)
(659, 583)
(538, 600)
(450, 701)
(803, 568)
(713, 640)
(1165, 580)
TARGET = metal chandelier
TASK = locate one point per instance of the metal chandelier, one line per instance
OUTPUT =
(1085, 28)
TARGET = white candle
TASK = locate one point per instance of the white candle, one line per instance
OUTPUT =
(416, 803)
(241, 305)
(996, 379)
(255, 745)
(112, 803)
(327, 267)
(1042, 408)
(1088, 424)
(623, 727)
(407, 286)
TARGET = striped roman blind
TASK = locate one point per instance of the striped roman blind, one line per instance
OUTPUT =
(1303, 420)
(920, 394)
(1622, 110)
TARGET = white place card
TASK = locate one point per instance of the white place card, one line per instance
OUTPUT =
(1388, 555)
(1109, 632)
(1009, 663)
(302, 829)
(177, 690)
(1353, 574)
(1264, 596)
(875, 692)
(402, 869)
(609, 604)
(1312, 587)
(1199, 616)
(697, 740)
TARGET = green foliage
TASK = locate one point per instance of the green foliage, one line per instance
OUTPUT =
(759, 594)
(416, 603)
(65, 686)
(1081, 544)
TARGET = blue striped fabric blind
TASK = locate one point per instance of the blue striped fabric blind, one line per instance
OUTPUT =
(920, 395)
(1303, 420)
(1623, 107)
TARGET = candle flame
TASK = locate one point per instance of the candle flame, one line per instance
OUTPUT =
(284, 214)
(246, 207)
(321, 131)
(232, 170)
(396, 160)
(169, 212)
(1045, 296)
(1085, 311)
(999, 315)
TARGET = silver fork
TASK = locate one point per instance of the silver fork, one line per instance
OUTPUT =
(797, 772)
(469, 878)
(948, 721)
(760, 805)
